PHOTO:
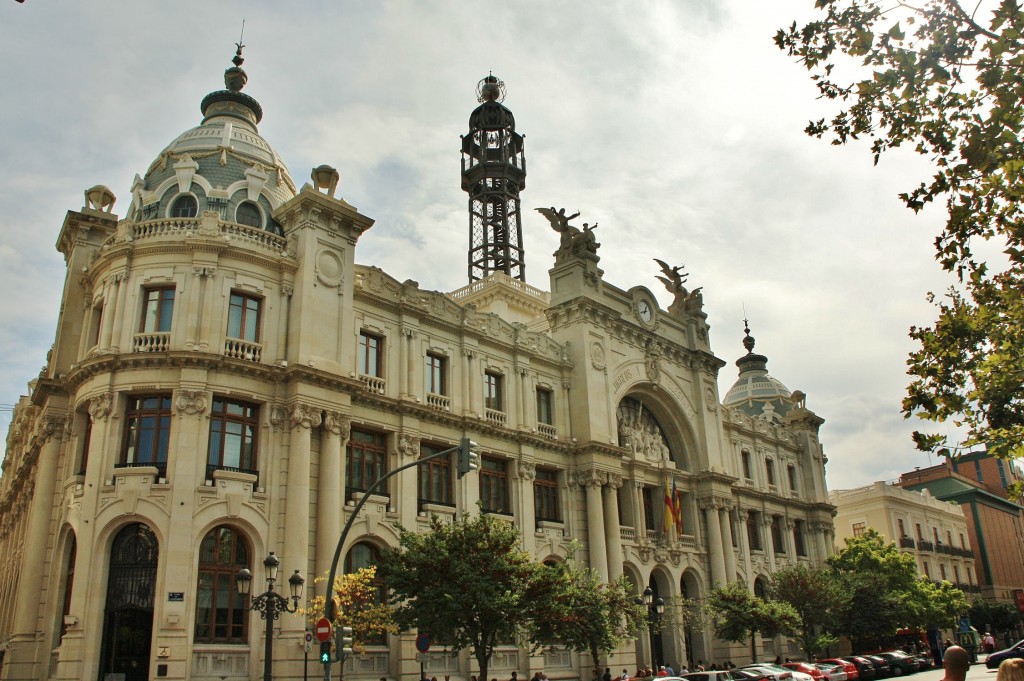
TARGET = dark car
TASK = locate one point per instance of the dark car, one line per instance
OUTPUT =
(995, 659)
(900, 662)
(882, 668)
(864, 666)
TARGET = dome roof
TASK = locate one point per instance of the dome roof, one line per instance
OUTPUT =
(223, 162)
(755, 392)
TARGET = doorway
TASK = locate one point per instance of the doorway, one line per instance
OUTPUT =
(128, 614)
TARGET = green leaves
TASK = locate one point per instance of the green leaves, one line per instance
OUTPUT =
(739, 615)
(952, 89)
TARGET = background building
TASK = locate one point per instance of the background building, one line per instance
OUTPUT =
(933, 531)
(226, 381)
(995, 525)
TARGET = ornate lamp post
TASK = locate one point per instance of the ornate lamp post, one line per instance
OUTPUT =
(270, 604)
(655, 609)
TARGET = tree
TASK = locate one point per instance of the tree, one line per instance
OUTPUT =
(360, 606)
(945, 81)
(814, 594)
(464, 582)
(886, 593)
(740, 615)
(994, 616)
(573, 609)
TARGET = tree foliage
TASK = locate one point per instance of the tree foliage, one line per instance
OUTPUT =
(573, 609)
(946, 81)
(886, 593)
(740, 615)
(994, 616)
(815, 595)
(465, 583)
(360, 606)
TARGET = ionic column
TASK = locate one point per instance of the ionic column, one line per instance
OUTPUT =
(191, 305)
(523, 374)
(413, 368)
(331, 489)
(405, 373)
(741, 517)
(284, 321)
(526, 473)
(566, 409)
(711, 508)
(639, 520)
(769, 544)
(118, 329)
(727, 545)
(109, 304)
(818, 529)
(591, 481)
(612, 524)
(38, 528)
(206, 312)
(469, 386)
(303, 419)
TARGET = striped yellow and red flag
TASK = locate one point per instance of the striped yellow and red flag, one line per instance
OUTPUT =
(670, 511)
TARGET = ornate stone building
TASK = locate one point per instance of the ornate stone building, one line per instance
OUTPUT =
(226, 381)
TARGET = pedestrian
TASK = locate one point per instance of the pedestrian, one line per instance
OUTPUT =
(625, 676)
(607, 674)
(669, 670)
(955, 664)
(990, 643)
(662, 671)
(1011, 670)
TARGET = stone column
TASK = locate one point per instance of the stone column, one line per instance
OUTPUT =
(727, 545)
(566, 409)
(303, 419)
(284, 320)
(711, 507)
(612, 524)
(818, 530)
(591, 481)
(769, 542)
(469, 383)
(119, 327)
(331, 488)
(741, 518)
(109, 305)
(414, 367)
(523, 373)
(640, 521)
(206, 312)
(526, 473)
(405, 370)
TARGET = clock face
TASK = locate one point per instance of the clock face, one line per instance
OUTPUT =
(644, 311)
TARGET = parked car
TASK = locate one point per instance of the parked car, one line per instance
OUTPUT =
(772, 672)
(747, 675)
(900, 662)
(865, 668)
(850, 668)
(831, 670)
(995, 659)
(806, 668)
(726, 675)
(882, 668)
(924, 661)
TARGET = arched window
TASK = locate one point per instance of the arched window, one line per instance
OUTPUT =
(248, 214)
(364, 555)
(184, 206)
(221, 613)
(69, 583)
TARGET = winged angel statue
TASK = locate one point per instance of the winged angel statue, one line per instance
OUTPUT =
(573, 240)
(683, 301)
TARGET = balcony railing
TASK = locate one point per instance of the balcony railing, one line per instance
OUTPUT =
(240, 349)
(210, 468)
(442, 402)
(498, 418)
(373, 384)
(151, 342)
(925, 545)
(160, 466)
(547, 430)
(906, 542)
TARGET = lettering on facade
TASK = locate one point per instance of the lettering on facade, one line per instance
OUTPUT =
(622, 378)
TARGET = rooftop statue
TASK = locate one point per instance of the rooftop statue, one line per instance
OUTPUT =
(683, 302)
(573, 241)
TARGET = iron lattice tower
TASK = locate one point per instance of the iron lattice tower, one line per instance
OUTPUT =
(493, 174)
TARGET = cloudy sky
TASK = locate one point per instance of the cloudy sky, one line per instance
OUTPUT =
(675, 125)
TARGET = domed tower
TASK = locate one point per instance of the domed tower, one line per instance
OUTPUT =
(755, 392)
(493, 174)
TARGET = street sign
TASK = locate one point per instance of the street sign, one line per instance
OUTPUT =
(323, 629)
(423, 643)
(309, 637)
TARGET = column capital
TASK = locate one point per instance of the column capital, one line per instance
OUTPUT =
(99, 406)
(709, 503)
(468, 353)
(408, 445)
(590, 477)
(527, 470)
(304, 416)
(614, 481)
(190, 402)
(337, 423)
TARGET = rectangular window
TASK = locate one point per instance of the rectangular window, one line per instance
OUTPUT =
(370, 347)
(244, 317)
(942, 570)
(777, 542)
(769, 469)
(977, 471)
(858, 529)
(970, 575)
(437, 368)
(927, 571)
(147, 431)
(545, 496)
(745, 457)
(753, 531)
(492, 391)
(920, 537)
(544, 411)
(962, 544)
(157, 309)
(366, 460)
(494, 486)
(935, 534)
(97, 325)
(83, 459)
(233, 427)
(435, 478)
(791, 474)
(903, 531)
(949, 538)
(648, 501)
(798, 538)
(956, 573)
(1002, 473)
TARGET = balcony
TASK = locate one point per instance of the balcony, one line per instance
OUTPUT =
(925, 545)
(151, 342)
(373, 384)
(210, 468)
(240, 349)
(547, 430)
(906, 542)
(498, 418)
(440, 402)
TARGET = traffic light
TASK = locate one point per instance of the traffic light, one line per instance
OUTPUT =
(344, 641)
(469, 459)
(325, 652)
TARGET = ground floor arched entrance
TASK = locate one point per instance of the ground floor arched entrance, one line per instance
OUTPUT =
(128, 612)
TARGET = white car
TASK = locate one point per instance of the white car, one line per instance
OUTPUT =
(833, 671)
(778, 673)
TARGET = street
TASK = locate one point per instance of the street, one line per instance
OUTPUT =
(978, 672)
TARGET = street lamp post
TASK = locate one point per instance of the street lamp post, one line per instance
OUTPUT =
(655, 609)
(270, 604)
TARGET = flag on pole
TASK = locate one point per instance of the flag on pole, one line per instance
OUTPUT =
(677, 508)
(670, 512)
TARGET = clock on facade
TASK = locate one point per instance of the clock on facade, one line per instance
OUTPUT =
(644, 311)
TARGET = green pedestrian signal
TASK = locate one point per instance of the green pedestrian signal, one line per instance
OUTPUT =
(325, 652)
(469, 458)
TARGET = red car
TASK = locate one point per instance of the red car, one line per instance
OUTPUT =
(806, 668)
(851, 669)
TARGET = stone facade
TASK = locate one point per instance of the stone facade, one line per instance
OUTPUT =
(226, 381)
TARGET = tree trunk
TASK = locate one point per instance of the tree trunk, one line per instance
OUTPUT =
(481, 659)
(753, 647)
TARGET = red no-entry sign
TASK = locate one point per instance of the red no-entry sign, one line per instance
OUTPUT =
(323, 630)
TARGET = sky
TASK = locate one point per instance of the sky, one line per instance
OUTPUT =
(675, 125)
